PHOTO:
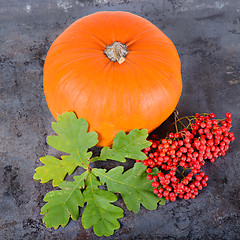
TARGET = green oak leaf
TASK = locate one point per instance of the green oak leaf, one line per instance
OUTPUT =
(73, 137)
(99, 212)
(63, 204)
(55, 169)
(132, 185)
(126, 146)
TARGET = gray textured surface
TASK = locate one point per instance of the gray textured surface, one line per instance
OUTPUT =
(207, 36)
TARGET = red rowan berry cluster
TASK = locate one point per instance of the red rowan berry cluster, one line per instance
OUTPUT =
(179, 157)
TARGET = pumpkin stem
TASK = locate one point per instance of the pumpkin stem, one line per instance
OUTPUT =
(116, 52)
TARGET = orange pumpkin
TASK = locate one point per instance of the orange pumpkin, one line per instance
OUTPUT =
(115, 69)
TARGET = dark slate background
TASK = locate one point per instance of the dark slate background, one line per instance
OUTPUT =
(207, 36)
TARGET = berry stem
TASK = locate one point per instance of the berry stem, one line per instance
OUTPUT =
(178, 120)
(175, 119)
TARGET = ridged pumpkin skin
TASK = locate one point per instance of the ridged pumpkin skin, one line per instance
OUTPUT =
(142, 92)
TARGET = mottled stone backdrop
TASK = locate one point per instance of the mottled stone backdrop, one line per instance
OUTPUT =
(207, 36)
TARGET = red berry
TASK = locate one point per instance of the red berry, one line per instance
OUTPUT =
(200, 131)
(230, 134)
(195, 191)
(167, 176)
(197, 183)
(205, 178)
(178, 153)
(160, 195)
(210, 142)
(145, 162)
(192, 186)
(173, 199)
(180, 142)
(167, 181)
(190, 150)
(209, 135)
(176, 135)
(192, 196)
(164, 141)
(151, 155)
(228, 120)
(195, 127)
(160, 174)
(197, 122)
(155, 178)
(186, 197)
(171, 135)
(168, 188)
(160, 147)
(232, 138)
(156, 154)
(166, 145)
(202, 147)
(228, 115)
(203, 141)
(154, 145)
(173, 179)
(212, 115)
(226, 147)
(166, 158)
(206, 130)
(186, 140)
(164, 167)
(195, 154)
(155, 184)
(174, 169)
(160, 190)
(180, 195)
(149, 177)
(165, 193)
(182, 163)
(185, 181)
(180, 185)
(194, 171)
(183, 149)
(149, 170)
(198, 177)
(155, 191)
(188, 145)
(183, 158)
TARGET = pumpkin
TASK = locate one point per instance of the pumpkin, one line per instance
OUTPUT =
(115, 69)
